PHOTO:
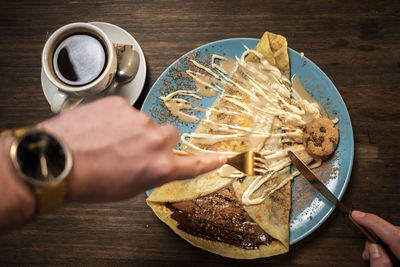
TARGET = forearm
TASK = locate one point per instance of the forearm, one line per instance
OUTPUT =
(17, 202)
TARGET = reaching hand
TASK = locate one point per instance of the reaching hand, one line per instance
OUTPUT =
(119, 151)
(387, 232)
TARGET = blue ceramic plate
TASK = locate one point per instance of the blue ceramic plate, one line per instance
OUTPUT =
(309, 209)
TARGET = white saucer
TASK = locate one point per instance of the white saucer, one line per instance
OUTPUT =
(131, 90)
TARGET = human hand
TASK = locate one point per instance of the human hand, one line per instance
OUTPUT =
(119, 152)
(387, 232)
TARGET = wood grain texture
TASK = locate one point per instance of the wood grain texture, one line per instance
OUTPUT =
(356, 43)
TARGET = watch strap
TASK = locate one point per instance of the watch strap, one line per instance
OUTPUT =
(16, 132)
(49, 198)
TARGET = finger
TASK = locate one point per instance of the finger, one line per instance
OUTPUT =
(171, 134)
(378, 256)
(142, 120)
(192, 166)
(365, 254)
(387, 232)
(159, 138)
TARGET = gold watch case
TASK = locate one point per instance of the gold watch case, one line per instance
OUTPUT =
(34, 149)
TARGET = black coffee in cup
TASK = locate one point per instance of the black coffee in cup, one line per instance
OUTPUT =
(79, 59)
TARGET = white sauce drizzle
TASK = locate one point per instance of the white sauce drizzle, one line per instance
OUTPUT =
(175, 105)
(257, 92)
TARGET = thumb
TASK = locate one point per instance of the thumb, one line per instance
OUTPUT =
(378, 256)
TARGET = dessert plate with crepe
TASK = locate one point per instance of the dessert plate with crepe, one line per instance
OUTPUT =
(245, 94)
(131, 90)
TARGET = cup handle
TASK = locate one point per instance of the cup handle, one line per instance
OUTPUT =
(61, 102)
(58, 101)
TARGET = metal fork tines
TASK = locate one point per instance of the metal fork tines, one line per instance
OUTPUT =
(249, 162)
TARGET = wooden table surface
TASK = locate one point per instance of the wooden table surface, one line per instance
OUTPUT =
(356, 43)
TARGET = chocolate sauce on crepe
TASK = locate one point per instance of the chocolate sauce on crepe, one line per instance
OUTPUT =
(219, 217)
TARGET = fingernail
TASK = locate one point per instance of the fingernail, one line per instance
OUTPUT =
(374, 252)
(359, 213)
(222, 159)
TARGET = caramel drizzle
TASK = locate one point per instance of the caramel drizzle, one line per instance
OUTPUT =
(256, 91)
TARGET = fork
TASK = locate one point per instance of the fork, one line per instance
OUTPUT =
(246, 162)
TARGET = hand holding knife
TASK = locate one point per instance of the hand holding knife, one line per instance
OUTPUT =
(322, 189)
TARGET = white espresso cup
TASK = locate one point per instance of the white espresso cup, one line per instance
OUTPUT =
(68, 91)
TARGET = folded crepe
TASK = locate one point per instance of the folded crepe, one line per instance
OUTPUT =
(227, 213)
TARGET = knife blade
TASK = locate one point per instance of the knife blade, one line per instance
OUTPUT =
(310, 176)
(323, 190)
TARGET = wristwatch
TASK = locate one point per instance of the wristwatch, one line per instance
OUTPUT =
(43, 161)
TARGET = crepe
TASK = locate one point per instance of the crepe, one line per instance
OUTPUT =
(262, 201)
(274, 48)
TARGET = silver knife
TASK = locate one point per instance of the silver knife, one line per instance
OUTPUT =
(323, 190)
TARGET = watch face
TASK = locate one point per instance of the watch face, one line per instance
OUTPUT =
(41, 157)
